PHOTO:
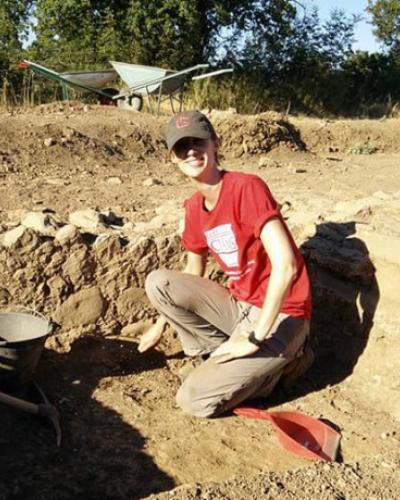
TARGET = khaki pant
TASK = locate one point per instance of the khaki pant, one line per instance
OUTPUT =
(205, 314)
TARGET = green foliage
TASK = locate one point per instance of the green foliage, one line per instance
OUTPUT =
(386, 18)
(299, 68)
(72, 34)
(313, 59)
(181, 33)
(167, 33)
(364, 148)
(372, 77)
(13, 30)
(284, 58)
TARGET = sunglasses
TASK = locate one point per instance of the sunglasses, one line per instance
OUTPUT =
(182, 147)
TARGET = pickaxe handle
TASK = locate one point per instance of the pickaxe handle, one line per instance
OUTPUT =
(19, 404)
(47, 411)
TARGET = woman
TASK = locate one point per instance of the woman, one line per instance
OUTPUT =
(254, 332)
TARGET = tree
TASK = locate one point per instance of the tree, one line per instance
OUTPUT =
(386, 18)
(80, 33)
(14, 26)
(297, 62)
(372, 78)
(180, 33)
(175, 33)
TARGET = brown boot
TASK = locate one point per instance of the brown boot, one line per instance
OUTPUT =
(296, 368)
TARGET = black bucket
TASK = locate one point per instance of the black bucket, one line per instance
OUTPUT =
(22, 338)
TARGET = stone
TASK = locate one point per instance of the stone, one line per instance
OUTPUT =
(135, 330)
(11, 237)
(266, 162)
(114, 181)
(128, 228)
(130, 301)
(4, 296)
(171, 219)
(108, 217)
(360, 206)
(107, 247)
(152, 181)
(49, 141)
(382, 195)
(68, 233)
(88, 219)
(171, 206)
(82, 308)
(58, 287)
(165, 219)
(43, 223)
(80, 267)
(142, 227)
(55, 182)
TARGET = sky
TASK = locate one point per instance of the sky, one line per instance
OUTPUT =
(365, 40)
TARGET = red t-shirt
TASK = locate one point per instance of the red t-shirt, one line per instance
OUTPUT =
(231, 232)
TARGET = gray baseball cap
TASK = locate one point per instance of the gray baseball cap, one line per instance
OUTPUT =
(188, 124)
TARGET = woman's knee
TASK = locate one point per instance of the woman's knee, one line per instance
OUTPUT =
(155, 281)
(191, 402)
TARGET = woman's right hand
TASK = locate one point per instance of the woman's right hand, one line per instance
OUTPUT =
(151, 338)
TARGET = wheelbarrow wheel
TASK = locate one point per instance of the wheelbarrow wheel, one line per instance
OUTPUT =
(108, 101)
(132, 102)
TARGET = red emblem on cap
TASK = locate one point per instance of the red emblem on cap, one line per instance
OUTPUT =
(182, 120)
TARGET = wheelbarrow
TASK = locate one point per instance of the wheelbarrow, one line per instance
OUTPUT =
(158, 84)
(22, 338)
(95, 82)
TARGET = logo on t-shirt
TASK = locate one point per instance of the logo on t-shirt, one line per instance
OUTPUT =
(222, 241)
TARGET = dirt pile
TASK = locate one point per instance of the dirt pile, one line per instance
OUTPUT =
(82, 279)
(61, 136)
(251, 135)
(63, 140)
(349, 136)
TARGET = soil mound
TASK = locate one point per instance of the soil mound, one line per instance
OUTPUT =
(251, 135)
(61, 136)
(349, 136)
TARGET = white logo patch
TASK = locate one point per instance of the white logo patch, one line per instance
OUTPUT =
(222, 241)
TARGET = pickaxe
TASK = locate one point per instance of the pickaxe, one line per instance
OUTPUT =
(44, 410)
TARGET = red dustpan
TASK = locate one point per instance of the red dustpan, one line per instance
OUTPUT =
(300, 434)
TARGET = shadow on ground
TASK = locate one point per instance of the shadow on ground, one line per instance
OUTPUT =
(101, 455)
(345, 297)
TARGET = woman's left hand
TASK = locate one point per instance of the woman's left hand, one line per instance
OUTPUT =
(236, 347)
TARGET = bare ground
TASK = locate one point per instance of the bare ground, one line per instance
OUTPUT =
(123, 437)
